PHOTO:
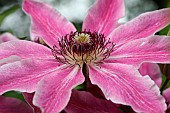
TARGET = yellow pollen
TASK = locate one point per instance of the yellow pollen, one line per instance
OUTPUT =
(82, 38)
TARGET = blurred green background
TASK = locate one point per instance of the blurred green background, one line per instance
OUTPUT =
(13, 19)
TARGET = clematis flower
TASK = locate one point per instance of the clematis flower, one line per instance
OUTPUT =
(110, 53)
(153, 71)
(13, 105)
(29, 99)
(6, 37)
(84, 102)
(166, 94)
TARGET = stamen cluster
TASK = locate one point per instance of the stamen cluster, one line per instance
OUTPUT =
(82, 47)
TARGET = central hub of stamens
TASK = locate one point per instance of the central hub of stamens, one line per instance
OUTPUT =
(78, 48)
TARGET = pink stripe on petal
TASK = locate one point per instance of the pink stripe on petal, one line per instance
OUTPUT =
(155, 49)
(123, 84)
(103, 16)
(7, 37)
(13, 105)
(46, 22)
(84, 102)
(142, 26)
(24, 49)
(24, 75)
(54, 91)
(153, 71)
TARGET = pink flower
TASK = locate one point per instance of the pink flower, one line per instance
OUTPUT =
(29, 99)
(84, 102)
(6, 37)
(153, 71)
(110, 52)
(7, 104)
(13, 105)
(166, 94)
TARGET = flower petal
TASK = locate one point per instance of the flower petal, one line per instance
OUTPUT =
(123, 84)
(54, 91)
(153, 71)
(103, 16)
(9, 59)
(166, 94)
(7, 37)
(24, 49)
(46, 22)
(155, 49)
(84, 102)
(29, 98)
(142, 26)
(24, 75)
(12, 105)
(4, 38)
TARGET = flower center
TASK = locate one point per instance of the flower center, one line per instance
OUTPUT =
(82, 38)
(82, 47)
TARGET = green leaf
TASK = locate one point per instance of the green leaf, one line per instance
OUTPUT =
(163, 81)
(168, 4)
(168, 33)
(165, 30)
(7, 12)
(77, 25)
(14, 94)
(80, 87)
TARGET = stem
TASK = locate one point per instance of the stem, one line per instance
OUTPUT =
(166, 72)
(164, 85)
(85, 71)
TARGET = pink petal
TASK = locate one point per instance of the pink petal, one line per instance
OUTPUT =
(54, 91)
(142, 26)
(7, 37)
(153, 71)
(24, 75)
(9, 59)
(12, 105)
(29, 98)
(103, 16)
(46, 23)
(155, 49)
(4, 38)
(123, 84)
(84, 102)
(24, 49)
(166, 94)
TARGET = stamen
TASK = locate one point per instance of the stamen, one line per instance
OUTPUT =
(87, 47)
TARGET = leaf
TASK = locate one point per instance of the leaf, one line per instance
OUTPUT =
(14, 94)
(164, 31)
(7, 12)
